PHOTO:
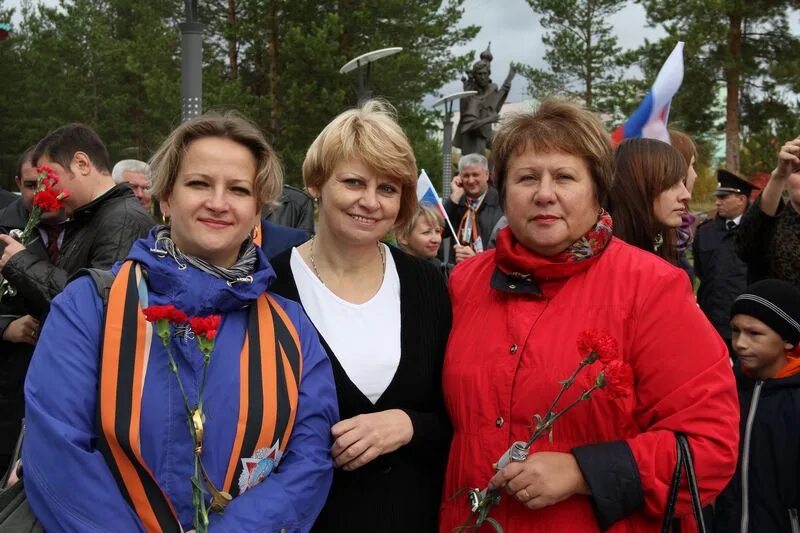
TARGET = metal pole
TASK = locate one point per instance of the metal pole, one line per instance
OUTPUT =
(447, 150)
(191, 63)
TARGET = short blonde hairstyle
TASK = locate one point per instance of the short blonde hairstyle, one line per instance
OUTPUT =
(369, 134)
(167, 160)
(556, 126)
(423, 212)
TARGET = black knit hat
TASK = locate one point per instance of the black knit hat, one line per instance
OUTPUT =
(774, 302)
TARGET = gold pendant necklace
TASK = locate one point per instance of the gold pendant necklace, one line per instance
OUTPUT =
(381, 252)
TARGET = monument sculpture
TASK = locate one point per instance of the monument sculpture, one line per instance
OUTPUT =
(478, 112)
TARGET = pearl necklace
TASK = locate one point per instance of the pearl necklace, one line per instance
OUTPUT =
(381, 252)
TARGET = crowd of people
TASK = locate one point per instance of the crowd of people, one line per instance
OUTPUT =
(377, 385)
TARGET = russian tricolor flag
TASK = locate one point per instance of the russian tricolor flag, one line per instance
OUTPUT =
(650, 118)
(426, 195)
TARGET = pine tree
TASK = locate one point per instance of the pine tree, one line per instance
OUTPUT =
(584, 58)
(744, 49)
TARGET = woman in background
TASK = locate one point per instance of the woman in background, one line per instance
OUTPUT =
(421, 236)
(648, 198)
(685, 145)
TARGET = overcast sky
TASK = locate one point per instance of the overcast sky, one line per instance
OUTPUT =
(514, 31)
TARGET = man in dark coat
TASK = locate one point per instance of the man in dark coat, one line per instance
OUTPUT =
(18, 327)
(104, 219)
(473, 207)
(722, 275)
(295, 210)
(6, 198)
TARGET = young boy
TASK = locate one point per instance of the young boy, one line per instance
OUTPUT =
(764, 494)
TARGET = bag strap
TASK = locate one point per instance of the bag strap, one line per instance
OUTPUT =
(684, 462)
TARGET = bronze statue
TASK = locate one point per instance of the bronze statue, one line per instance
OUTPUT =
(479, 111)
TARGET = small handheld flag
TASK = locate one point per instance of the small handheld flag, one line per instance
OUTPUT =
(426, 194)
(650, 118)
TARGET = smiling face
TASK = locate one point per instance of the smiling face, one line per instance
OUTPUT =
(550, 200)
(212, 204)
(357, 205)
(670, 205)
(474, 180)
(424, 239)
(761, 351)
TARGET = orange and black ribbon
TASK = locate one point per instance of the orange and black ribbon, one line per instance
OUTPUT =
(270, 371)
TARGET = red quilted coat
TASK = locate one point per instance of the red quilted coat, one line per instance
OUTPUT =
(508, 351)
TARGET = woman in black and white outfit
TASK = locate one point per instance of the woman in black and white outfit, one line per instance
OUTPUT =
(383, 317)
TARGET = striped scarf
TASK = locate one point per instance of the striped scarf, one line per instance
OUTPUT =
(240, 272)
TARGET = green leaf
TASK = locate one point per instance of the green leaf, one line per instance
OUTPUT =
(495, 524)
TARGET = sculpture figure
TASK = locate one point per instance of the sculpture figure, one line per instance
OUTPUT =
(478, 112)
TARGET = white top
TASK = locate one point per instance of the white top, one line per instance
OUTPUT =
(365, 337)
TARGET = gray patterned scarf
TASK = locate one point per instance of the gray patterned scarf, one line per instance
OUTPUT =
(240, 272)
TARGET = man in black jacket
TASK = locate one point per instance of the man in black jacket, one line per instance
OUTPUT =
(104, 218)
(294, 210)
(473, 207)
(722, 275)
(18, 328)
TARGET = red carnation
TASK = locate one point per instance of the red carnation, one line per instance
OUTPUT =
(618, 379)
(165, 312)
(49, 199)
(600, 343)
(205, 326)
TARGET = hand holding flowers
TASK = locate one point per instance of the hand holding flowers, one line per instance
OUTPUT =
(46, 199)
(545, 478)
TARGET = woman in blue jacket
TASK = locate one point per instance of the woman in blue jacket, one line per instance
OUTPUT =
(181, 424)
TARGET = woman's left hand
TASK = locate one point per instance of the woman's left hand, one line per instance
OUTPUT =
(361, 439)
(543, 479)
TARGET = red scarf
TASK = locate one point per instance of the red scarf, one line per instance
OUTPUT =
(513, 258)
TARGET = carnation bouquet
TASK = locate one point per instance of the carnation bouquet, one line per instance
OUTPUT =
(46, 199)
(205, 328)
(616, 378)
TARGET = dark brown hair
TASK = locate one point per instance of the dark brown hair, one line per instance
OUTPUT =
(643, 169)
(556, 126)
(61, 144)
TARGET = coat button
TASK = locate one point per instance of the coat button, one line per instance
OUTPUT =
(499, 421)
(513, 348)
(512, 286)
(386, 470)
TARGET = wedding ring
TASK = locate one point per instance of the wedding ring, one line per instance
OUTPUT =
(527, 496)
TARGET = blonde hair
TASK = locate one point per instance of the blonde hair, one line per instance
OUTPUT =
(424, 212)
(371, 135)
(167, 160)
(556, 126)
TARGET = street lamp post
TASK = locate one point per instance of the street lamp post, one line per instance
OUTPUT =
(447, 142)
(191, 63)
(366, 60)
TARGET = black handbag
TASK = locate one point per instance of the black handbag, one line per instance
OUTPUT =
(16, 515)
(684, 463)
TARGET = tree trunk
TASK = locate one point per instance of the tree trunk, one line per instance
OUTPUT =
(733, 73)
(233, 45)
(274, 71)
(588, 57)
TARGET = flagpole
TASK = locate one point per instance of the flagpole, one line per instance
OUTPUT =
(450, 225)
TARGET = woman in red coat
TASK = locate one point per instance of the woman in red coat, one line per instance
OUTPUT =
(517, 312)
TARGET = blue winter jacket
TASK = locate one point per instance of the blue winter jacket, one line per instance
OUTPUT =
(68, 484)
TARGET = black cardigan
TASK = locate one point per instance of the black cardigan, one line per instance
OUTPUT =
(399, 491)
